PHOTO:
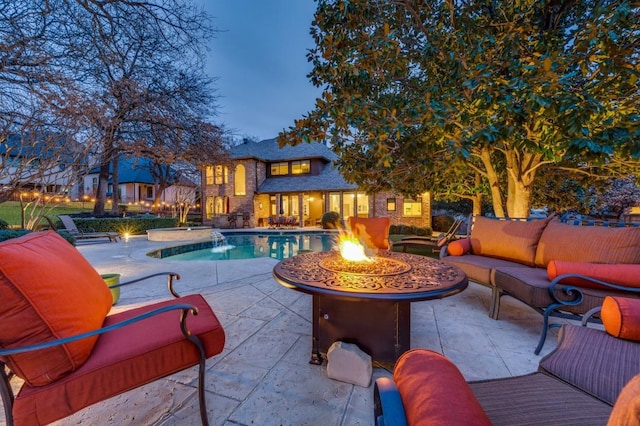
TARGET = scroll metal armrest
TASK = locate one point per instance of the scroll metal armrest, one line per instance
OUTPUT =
(388, 409)
(184, 308)
(575, 295)
(443, 251)
(170, 278)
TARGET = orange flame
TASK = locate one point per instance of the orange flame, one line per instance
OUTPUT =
(351, 249)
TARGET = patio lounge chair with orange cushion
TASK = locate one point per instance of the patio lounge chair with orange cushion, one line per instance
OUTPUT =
(58, 337)
(372, 231)
(78, 234)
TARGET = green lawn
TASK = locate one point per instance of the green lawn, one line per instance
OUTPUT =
(10, 210)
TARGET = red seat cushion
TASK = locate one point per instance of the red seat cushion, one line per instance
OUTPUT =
(123, 359)
(372, 231)
(48, 291)
(434, 392)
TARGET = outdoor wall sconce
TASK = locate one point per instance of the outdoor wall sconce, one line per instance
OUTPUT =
(391, 204)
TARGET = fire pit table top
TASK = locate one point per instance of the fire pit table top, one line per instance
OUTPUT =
(390, 275)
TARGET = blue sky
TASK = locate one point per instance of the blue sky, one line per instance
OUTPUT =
(259, 60)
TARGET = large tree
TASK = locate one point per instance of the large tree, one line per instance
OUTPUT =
(496, 89)
(122, 72)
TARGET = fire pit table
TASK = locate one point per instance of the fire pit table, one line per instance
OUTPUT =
(367, 302)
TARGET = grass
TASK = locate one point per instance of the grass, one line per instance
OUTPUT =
(10, 210)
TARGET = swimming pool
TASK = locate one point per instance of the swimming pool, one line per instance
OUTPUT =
(250, 245)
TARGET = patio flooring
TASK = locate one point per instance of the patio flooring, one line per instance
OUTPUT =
(263, 376)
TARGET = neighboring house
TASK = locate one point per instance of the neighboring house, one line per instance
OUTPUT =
(31, 164)
(136, 184)
(296, 181)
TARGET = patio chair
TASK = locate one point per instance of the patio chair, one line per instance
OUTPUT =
(372, 231)
(59, 338)
(232, 218)
(246, 220)
(433, 242)
(78, 234)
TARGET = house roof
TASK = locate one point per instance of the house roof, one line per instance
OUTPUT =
(329, 180)
(269, 150)
(136, 170)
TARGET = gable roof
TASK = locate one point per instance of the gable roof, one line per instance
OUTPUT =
(269, 150)
(329, 179)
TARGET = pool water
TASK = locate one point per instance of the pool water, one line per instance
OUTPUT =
(255, 245)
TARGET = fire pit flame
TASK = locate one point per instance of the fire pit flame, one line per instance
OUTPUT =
(351, 249)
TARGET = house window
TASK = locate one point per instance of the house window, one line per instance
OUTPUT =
(391, 204)
(149, 192)
(279, 169)
(300, 167)
(240, 181)
(221, 175)
(412, 208)
(208, 175)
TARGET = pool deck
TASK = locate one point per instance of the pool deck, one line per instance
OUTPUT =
(263, 376)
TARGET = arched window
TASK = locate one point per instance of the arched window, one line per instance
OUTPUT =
(240, 180)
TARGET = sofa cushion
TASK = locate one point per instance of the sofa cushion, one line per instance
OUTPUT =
(594, 244)
(479, 268)
(623, 274)
(372, 231)
(434, 392)
(531, 286)
(538, 399)
(621, 317)
(48, 291)
(507, 239)
(626, 410)
(125, 358)
(611, 362)
(459, 247)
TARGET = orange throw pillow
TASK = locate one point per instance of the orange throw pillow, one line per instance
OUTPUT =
(626, 410)
(372, 231)
(459, 247)
(621, 317)
(624, 274)
(48, 291)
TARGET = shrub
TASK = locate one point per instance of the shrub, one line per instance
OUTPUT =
(6, 234)
(3, 224)
(442, 223)
(134, 225)
(331, 220)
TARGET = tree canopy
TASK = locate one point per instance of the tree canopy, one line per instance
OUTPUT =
(128, 76)
(475, 97)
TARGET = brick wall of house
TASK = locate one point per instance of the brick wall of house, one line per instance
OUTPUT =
(378, 207)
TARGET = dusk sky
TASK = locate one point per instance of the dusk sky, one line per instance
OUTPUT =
(259, 58)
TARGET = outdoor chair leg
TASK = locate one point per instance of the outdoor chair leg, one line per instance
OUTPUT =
(494, 307)
(201, 368)
(7, 395)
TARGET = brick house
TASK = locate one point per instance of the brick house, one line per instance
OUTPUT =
(300, 181)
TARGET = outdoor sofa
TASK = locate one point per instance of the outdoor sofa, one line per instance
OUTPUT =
(579, 383)
(558, 269)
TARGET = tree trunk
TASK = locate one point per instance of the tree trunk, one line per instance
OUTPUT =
(115, 179)
(494, 183)
(101, 190)
(521, 172)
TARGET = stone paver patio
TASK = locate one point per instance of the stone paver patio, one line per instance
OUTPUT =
(263, 376)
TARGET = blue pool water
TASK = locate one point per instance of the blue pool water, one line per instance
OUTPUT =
(277, 245)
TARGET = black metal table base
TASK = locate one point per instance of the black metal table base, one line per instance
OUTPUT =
(381, 328)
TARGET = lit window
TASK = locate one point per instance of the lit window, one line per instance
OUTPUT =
(208, 175)
(239, 180)
(279, 169)
(412, 208)
(300, 167)
(221, 175)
